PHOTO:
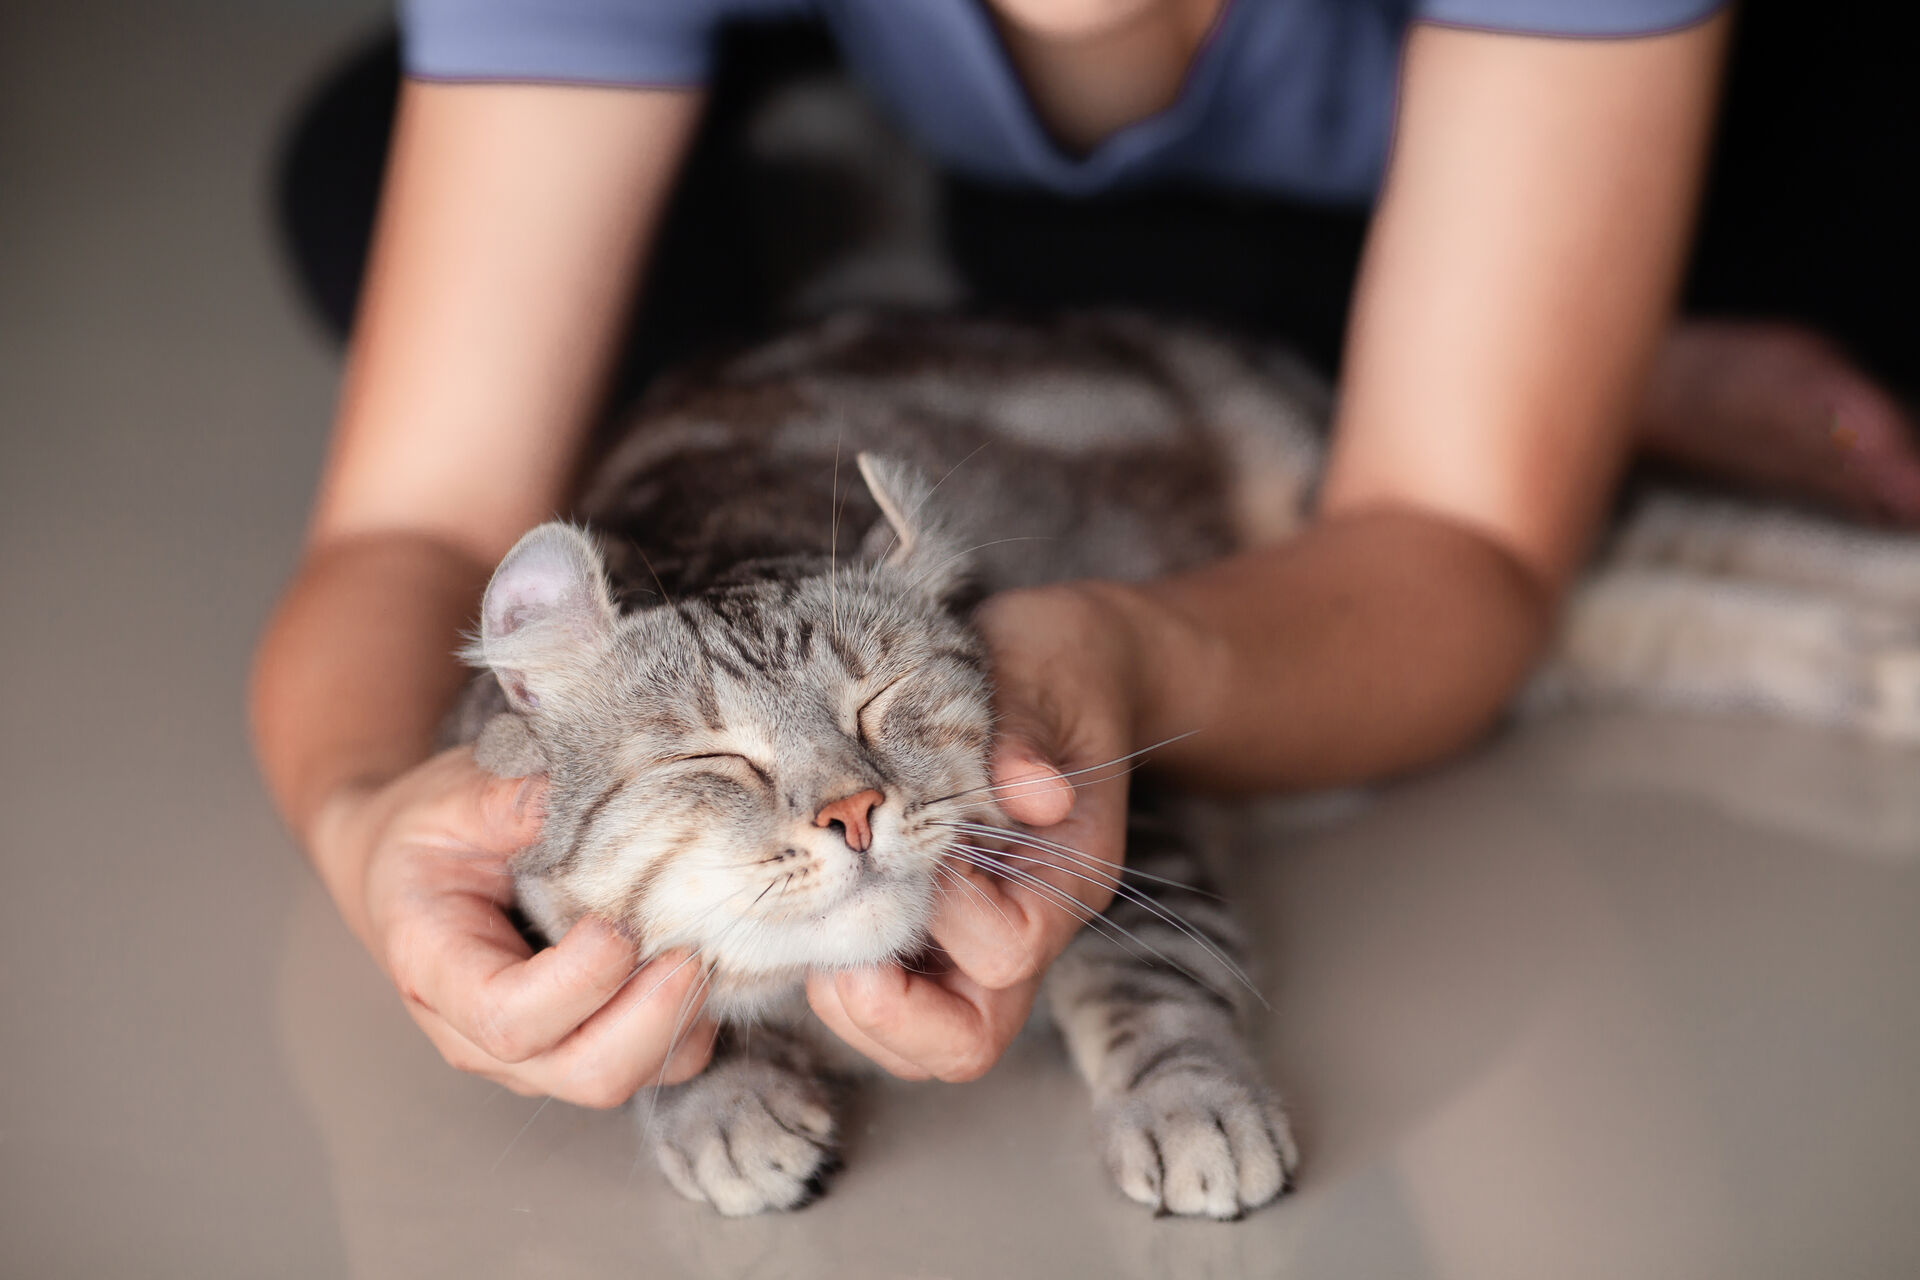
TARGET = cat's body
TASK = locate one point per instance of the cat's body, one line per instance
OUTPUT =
(759, 741)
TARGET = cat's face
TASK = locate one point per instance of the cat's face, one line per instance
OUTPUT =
(757, 775)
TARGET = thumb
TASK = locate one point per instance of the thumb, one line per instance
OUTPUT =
(509, 810)
(1027, 785)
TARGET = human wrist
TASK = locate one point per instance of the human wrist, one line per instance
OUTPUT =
(336, 839)
(1173, 664)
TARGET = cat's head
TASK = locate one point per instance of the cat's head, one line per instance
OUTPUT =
(757, 774)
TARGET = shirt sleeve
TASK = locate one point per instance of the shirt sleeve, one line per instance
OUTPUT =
(1592, 18)
(626, 42)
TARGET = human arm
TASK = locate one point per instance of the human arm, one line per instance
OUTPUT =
(514, 220)
(1517, 275)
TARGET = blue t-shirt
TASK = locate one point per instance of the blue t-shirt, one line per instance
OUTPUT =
(1287, 96)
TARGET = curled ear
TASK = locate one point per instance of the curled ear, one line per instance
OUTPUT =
(547, 615)
(909, 536)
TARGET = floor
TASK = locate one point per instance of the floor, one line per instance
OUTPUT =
(1618, 996)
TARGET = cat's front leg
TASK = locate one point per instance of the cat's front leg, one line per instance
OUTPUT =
(1187, 1122)
(755, 1131)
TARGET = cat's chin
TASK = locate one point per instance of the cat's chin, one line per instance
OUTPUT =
(779, 994)
(761, 975)
(855, 936)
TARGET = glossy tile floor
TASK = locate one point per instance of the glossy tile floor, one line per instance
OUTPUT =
(1622, 997)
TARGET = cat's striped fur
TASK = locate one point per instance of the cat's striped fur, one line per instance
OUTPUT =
(754, 627)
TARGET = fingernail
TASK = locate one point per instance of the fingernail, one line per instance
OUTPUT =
(1016, 754)
(1026, 769)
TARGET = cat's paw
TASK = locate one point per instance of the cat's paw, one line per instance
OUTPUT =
(1205, 1147)
(747, 1136)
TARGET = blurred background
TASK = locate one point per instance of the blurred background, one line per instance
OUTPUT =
(1619, 995)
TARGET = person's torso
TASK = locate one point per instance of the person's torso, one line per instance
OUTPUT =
(1292, 97)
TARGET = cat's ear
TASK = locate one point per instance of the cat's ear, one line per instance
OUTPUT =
(546, 617)
(901, 493)
(910, 537)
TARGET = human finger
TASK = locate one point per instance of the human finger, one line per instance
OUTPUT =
(464, 960)
(505, 813)
(650, 1034)
(1003, 932)
(947, 1025)
(1029, 788)
(990, 933)
(653, 1033)
(1004, 924)
(823, 995)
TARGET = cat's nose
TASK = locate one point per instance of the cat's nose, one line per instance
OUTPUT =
(851, 814)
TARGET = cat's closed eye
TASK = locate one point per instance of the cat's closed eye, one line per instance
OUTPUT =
(873, 712)
(711, 758)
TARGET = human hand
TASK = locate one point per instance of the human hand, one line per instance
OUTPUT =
(419, 868)
(1066, 680)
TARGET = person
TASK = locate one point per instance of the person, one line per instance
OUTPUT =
(1507, 349)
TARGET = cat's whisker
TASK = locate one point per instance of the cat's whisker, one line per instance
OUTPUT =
(1072, 857)
(1118, 934)
(1034, 786)
(986, 861)
(690, 1000)
(653, 1095)
(692, 955)
(654, 574)
(1166, 917)
(1160, 910)
(1077, 856)
(1003, 788)
(518, 1134)
(999, 791)
(833, 541)
(681, 1025)
(692, 924)
(1105, 764)
(991, 804)
(987, 898)
(1094, 871)
(933, 571)
(1059, 898)
(664, 978)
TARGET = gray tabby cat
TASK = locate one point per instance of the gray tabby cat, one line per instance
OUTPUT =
(752, 682)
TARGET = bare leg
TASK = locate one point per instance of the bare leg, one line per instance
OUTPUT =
(1778, 408)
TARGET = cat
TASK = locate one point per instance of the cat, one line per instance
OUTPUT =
(750, 678)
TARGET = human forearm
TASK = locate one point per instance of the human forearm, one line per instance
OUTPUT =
(493, 297)
(513, 220)
(357, 667)
(1518, 273)
(513, 224)
(1374, 643)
